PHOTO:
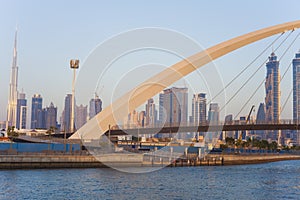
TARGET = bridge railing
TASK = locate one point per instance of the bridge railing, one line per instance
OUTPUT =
(207, 123)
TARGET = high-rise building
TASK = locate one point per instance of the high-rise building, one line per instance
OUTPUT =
(50, 116)
(132, 120)
(21, 111)
(173, 105)
(151, 113)
(261, 114)
(13, 90)
(67, 113)
(272, 86)
(296, 87)
(199, 108)
(36, 111)
(228, 120)
(213, 113)
(272, 100)
(261, 119)
(80, 116)
(95, 106)
(296, 95)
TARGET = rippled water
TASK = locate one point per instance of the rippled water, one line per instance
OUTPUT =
(280, 180)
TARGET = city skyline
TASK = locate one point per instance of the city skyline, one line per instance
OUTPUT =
(50, 64)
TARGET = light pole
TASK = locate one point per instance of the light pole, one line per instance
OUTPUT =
(74, 64)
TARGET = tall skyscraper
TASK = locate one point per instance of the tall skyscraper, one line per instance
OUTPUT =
(95, 106)
(50, 116)
(21, 112)
(173, 105)
(296, 87)
(151, 113)
(213, 113)
(67, 113)
(296, 95)
(199, 108)
(13, 90)
(272, 86)
(36, 111)
(80, 116)
(272, 100)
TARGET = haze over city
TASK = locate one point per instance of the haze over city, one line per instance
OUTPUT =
(52, 33)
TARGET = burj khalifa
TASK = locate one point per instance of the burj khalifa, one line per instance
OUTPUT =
(13, 90)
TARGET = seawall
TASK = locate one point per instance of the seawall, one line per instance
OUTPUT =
(27, 161)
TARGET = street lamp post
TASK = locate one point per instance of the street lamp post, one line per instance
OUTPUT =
(74, 64)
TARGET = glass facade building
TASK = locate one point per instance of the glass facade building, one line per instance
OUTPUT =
(21, 112)
(199, 108)
(36, 110)
(173, 105)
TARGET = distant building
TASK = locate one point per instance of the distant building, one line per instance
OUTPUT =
(213, 113)
(95, 106)
(51, 116)
(80, 116)
(67, 113)
(199, 108)
(260, 119)
(261, 114)
(151, 113)
(13, 90)
(296, 95)
(132, 120)
(173, 105)
(272, 100)
(21, 111)
(228, 120)
(36, 111)
(272, 86)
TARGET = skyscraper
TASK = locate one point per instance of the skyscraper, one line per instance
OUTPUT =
(50, 116)
(95, 106)
(213, 113)
(80, 116)
(261, 114)
(296, 87)
(13, 90)
(151, 113)
(67, 113)
(296, 95)
(173, 105)
(21, 111)
(272, 100)
(199, 108)
(36, 111)
(272, 86)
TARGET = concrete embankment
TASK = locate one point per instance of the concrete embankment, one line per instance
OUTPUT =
(256, 159)
(21, 161)
(68, 161)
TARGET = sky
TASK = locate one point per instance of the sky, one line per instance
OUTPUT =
(50, 33)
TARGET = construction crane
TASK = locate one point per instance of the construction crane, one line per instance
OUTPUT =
(249, 115)
(247, 121)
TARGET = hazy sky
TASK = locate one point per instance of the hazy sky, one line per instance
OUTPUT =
(50, 33)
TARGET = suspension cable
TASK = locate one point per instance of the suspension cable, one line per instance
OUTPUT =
(243, 70)
(253, 74)
(252, 95)
(290, 93)
(264, 79)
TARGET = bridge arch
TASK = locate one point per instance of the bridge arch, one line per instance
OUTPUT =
(136, 97)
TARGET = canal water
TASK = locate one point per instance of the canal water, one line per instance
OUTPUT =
(279, 180)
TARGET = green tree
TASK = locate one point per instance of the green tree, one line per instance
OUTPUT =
(229, 141)
(11, 132)
(273, 146)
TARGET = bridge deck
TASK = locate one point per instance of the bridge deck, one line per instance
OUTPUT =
(204, 128)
